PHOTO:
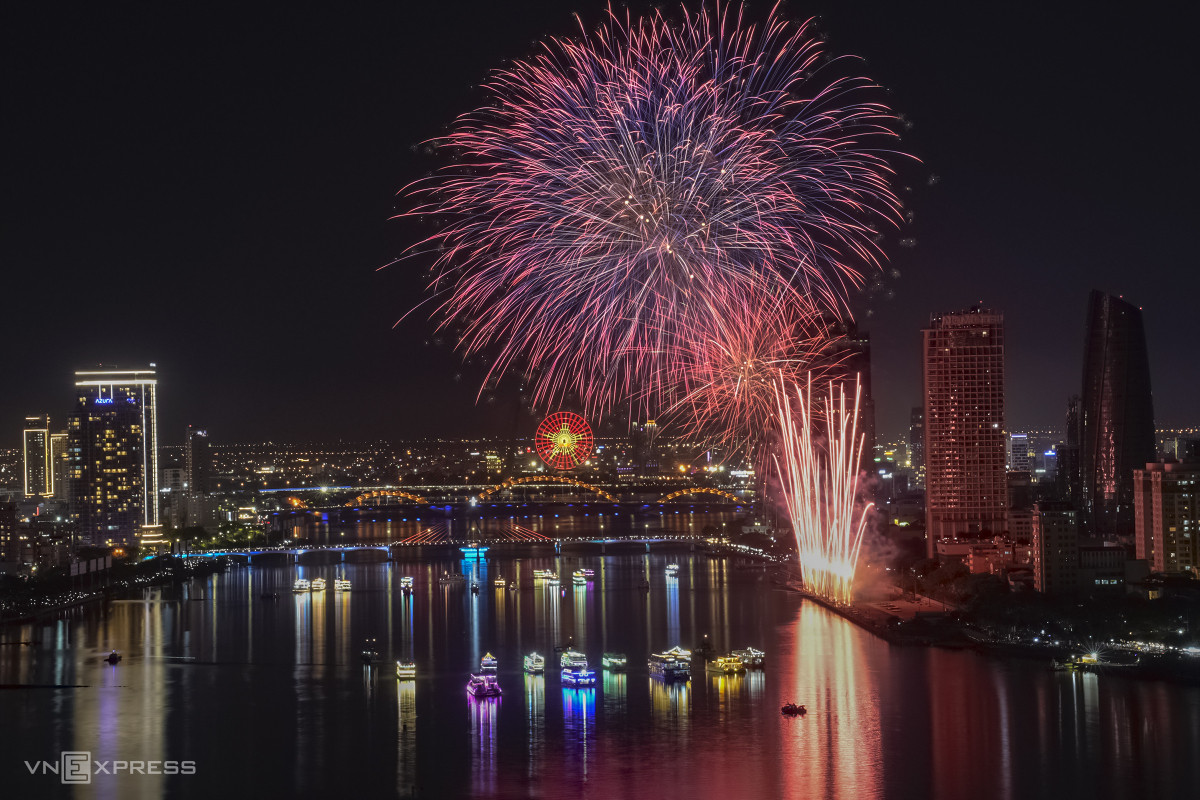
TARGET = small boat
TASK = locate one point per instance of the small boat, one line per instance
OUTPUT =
(474, 588)
(483, 686)
(318, 584)
(113, 657)
(341, 585)
(369, 654)
(672, 569)
(793, 710)
(452, 577)
(572, 659)
(406, 669)
(614, 662)
(535, 664)
(729, 665)
(578, 677)
(499, 583)
(301, 585)
(753, 659)
(578, 579)
(487, 664)
(668, 667)
(406, 582)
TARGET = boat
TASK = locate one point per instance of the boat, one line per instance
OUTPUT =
(113, 657)
(730, 665)
(793, 710)
(672, 569)
(552, 579)
(668, 667)
(487, 664)
(406, 669)
(614, 662)
(452, 577)
(369, 654)
(301, 585)
(572, 659)
(406, 582)
(587, 573)
(483, 686)
(474, 588)
(578, 579)
(499, 583)
(318, 584)
(341, 585)
(679, 653)
(535, 664)
(753, 659)
(578, 677)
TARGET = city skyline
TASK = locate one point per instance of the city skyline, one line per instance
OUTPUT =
(278, 284)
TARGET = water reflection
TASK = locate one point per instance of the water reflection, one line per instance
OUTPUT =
(406, 738)
(615, 686)
(483, 714)
(579, 731)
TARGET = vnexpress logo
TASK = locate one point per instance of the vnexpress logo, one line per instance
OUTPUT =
(77, 766)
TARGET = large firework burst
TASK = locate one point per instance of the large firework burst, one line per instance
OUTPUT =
(624, 186)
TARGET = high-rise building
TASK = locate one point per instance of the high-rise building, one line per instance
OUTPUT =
(1055, 547)
(1117, 414)
(58, 465)
(1166, 501)
(39, 475)
(1020, 457)
(965, 484)
(197, 461)
(113, 456)
(916, 440)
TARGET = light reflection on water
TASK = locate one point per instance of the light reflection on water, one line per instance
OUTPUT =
(280, 681)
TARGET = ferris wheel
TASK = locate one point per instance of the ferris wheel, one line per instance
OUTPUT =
(563, 440)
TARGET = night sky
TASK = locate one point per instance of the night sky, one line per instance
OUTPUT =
(210, 190)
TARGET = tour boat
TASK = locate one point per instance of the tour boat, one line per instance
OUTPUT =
(499, 583)
(614, 662)
(483, 686)
(730, 665)
(535, 664)
(587, 573)
(542, 573)
(578, 579)
(301, 585)
(341, 585)
(668, 667)
(406, 582)
(487, 664)
(318, 584)
(578, 677)
(572, 659)
(552, 579)
(753, 659)
(406, 669)
(672, 569)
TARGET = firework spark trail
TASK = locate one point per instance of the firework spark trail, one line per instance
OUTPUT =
(820, 487)
(622, 186)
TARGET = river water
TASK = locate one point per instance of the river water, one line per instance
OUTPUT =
(268, 697)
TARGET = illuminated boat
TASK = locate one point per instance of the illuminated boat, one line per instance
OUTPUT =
(753, 659)
(578, 579)
(535, 664)
(542, 573)
(572, 659)
(369, 654)
(587, 573)
(452, 577)
(483, 686)
(668, 667)
(578, 677)
(500, 583)
(487, 664)
(552, 579)
(406, 669)
(341, 585)
(672, 569)
(301, 585)
(318, 584)
(406, 582)
(614, 662)
(729, 665)
(680, 654)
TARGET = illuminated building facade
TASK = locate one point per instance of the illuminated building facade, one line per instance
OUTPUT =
(916, 444)
(39, 475)
(1117, 414)
(1055, 547)
(112, 447)
(58, 465)
(1166, 501)
(965, 478)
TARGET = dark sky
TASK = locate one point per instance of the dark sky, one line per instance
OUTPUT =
(209, 189)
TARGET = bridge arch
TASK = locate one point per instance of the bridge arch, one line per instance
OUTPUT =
(295, 502)
(362, 498)
(702, 490)
(555, 479)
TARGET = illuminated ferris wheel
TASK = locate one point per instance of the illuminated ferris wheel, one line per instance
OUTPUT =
(563, 440)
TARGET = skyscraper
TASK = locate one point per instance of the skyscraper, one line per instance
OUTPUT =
(113, 456)
(1117, 414)
(965, 481)
(197, 469)
(58, 465)
(39, 476)
(1069, 478)
(1166, 500)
